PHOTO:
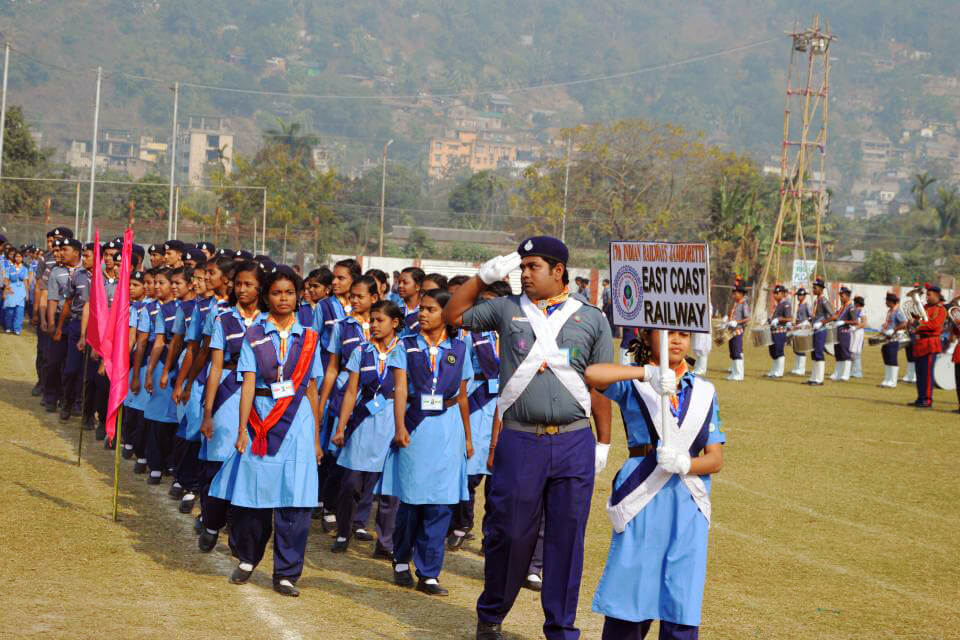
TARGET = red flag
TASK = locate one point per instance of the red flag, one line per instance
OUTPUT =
(97, 322)
(118, 337)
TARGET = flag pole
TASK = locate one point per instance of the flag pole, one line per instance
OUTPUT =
(83, 397)
(116, 460)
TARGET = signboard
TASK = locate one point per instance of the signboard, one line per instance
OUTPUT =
(803, 271)
(661, 285)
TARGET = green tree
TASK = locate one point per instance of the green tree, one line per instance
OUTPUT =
(947, 210)
(419, 245)
(22, 159)
(921, 182)
(482, 195)
(151, 201)
(290, 136)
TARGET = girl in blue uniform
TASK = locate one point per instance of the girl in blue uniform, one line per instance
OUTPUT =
(185, 479)
(149, 310)
(15, 294)
(427, 470)
(660, 505)
(160, 412)
(270, 478)
(408, 288)
(222, 393)
(365, 430)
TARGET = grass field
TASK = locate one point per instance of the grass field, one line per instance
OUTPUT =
(836, 516)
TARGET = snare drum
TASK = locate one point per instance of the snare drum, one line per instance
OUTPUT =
(831, 335)
(802, 340)
(761, 336)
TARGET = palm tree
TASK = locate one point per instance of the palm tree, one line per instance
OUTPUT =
(947, 204)
(921, 182)
(298, 144)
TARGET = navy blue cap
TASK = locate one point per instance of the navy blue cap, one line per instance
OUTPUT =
(89, 246)
(801, 292)
(3, 239)
(545, 247)
(932, 287)
(845, 289)
(266, 264)
(155, 248)
(779, 289)
(243, 255)
(740, 288)
(138, 251)
(137, 275)
(60, 232)
(223, 252)
(71, 242)
(192, 253)
(174, 245)
(892, 297)
(820, 283)
(206, 246)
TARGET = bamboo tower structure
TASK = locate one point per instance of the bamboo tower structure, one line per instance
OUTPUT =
(802, 156)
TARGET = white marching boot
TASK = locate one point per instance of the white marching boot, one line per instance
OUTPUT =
(816, 375)
(845, 370)
(837, 366)
(781, 365)
(773, 369)
(857, 366)
(800, 366)
(736, 371)
(700, 369)
(911, 374)
(894, 372)
(889, 377)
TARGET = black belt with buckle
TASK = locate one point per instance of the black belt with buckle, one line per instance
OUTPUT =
(546, 429)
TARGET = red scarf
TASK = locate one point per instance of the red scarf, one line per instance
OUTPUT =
(261, 427)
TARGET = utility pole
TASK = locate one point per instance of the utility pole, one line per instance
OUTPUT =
(176, 213)
(566, 186)
(263, 241)
(173, 158)
(93, 155)
(3, 102)
(76, 214)
(383, 192)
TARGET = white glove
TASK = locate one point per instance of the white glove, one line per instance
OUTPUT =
(775, 322)
(724, 319)
(673, 461)
(888, 332)
(839, 323)
(600, 457)
(665, 384)
(732, 324)
(496, 269)
(789, 325)
(817, 325)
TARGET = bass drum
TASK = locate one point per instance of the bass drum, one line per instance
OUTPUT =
(943, 372)
(831, 339)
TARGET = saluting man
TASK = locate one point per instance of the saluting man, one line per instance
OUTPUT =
(801, 319)
(780, 323)
(546, 456)
(928, 345)
(822, 312)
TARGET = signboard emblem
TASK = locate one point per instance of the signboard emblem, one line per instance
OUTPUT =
(628, 292)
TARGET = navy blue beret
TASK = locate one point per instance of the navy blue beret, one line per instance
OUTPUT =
(174, 245)
(545, 247)
(243, 255)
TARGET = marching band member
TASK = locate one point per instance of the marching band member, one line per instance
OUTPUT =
(800, 319)
(657, 564)
(270, 478)
(822, 312)
(856, 339)
(780, 323)
(911, 373)
(928, 345)
(427, 471)
(895, 321)
(844, 320)
(739, 316)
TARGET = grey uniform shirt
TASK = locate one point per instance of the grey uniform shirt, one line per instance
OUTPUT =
(46, 265)
(57, 283)
(803, 312)
(78, 289)
(822, 309)
(545, 400)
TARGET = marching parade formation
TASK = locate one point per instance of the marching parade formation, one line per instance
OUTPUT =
(268, 401)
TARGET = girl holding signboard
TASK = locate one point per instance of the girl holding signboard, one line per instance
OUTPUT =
(658, 556)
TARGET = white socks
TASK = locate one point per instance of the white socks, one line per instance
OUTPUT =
(246, 566)
(156, 474)
(285, 582)
(188, 496)
(911, 374)
(401, 567)
(341, 539)
(534, 578)
(430, 581)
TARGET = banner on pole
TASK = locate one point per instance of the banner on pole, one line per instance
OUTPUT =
(661, 285)
(803, 271)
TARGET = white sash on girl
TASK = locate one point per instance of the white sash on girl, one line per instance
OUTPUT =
(545, 349)
(682, 438)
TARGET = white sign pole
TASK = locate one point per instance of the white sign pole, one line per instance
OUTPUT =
(664, 400)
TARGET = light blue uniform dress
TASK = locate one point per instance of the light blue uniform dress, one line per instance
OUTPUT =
(188, 415)
(432, 470)
(339, 340)
(366, 448)
(657, 567)
(481, 417)
(289, 478)
(160, 407)
(226, 418)
(148, 311)
(135, 400)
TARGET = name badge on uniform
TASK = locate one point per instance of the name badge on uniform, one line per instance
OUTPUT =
(566, 354)
(493, 385)
(376, 405)
(282, 389)
(431, 402)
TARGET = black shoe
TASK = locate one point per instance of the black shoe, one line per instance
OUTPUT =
(431, 588)
(382, 554)
(186, 503)
(340, 546)
(198, 525)
(533, 585)
(101, 432)
(152, 479)
(207, 542)
(65, 414)
(454, 542)
(110, 444)
(402, 578)
(363, 535)
(285, 589)
(489, 631)
(88, 423)
(921, 405)
(37, 390)
(51, 407)
(139, 467)
(317, 513)
(239, 576)
(126, 453)
(176, 491)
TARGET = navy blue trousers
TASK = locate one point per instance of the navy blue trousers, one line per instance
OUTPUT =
(73, 372)
(819, 345)
(614, 629)
(533, 477)
(908, 350)
(187, 469)
(54, 361)
(41, 360)
(355, 488)
(736, 347)
(779, 342)
(463, 517)
(889, 353)
(160, 445)
(420, 535)
(841, 350)
(213, 511)
(290, 527)
(924, 366)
